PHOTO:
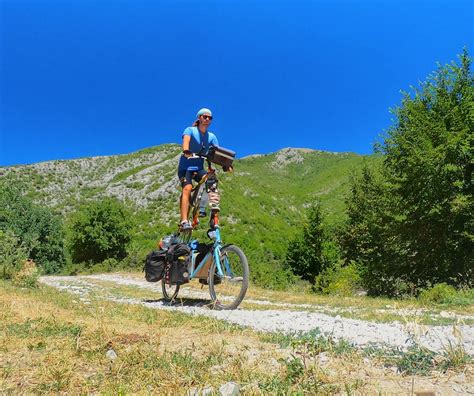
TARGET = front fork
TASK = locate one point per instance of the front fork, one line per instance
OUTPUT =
(224, 264)
(217, 249)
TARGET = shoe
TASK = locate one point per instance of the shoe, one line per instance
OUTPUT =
(185, 225)
(202, 213)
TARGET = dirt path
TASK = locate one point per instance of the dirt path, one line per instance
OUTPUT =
(304, 318)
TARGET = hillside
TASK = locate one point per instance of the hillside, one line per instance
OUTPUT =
(263, 201)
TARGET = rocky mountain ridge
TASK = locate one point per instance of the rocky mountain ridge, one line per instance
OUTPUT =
(138, 178)
(263, 202)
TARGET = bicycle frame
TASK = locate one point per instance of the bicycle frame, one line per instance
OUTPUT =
(193, 205)
(196, 203)
(221, 263)
(216, 253)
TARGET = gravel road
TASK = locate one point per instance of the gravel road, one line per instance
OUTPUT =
(358, 332)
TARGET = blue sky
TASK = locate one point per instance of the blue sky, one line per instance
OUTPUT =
(84, 78)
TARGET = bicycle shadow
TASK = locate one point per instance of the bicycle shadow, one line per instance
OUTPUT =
(182, 302)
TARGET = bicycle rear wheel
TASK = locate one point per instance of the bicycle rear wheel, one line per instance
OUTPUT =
(228, 291)
(170, 292)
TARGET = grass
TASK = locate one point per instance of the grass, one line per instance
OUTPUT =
(52, 342)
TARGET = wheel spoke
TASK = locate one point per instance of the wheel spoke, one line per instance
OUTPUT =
(228, 291)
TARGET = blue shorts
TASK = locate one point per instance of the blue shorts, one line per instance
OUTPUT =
(187, 176)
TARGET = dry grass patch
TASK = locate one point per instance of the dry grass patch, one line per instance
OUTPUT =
(53, 342)
(50, 344)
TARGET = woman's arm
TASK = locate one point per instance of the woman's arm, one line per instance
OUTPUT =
(186, 140)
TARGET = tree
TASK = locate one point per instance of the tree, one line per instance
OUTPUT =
(306, 255)
(429, 163)
(12, 255)
(368, 238)
(99, 230)
(38, 230)
(414, 223)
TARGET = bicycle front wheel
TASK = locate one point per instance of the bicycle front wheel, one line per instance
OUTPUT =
(228, 291)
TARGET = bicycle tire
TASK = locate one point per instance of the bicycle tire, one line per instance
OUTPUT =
(223, 289)
(170, 292)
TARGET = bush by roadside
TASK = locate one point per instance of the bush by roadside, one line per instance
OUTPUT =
(339, 280)
(36, 229)
(14, 264)
(445, 294)
(27, 276)
(12, 255)
(99, 231)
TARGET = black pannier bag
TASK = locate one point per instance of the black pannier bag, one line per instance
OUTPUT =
(155, 263)
(177, 258)
(221, 156)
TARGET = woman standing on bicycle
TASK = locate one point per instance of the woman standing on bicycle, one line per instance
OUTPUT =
(196, 140)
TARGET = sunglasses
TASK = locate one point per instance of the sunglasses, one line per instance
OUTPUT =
(207, 117)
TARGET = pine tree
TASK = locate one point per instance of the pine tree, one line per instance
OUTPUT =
(413, 225)
(305, 255)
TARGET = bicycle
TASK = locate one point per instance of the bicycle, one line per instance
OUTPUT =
(223, 267)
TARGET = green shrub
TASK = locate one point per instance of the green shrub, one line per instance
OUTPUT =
(417, 360)
(27, 276)
(134, 260)
(441, 293)
(99, 231)
(464, 297)
(108, 265)
(12, 255)
(39, 231)
(314, 249)
(339, 280)
(272, 276)
(294, 369)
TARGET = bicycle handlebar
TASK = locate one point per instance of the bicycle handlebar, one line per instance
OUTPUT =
(196, 156)
(208, 157)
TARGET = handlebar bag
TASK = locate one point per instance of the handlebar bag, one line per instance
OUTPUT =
(221, 156)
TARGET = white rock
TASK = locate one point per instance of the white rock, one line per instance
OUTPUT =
(111, 355)
(323, 358)
(394, 369)
(208, 390)
(229, 389)
(193, 392)
(274, 363)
